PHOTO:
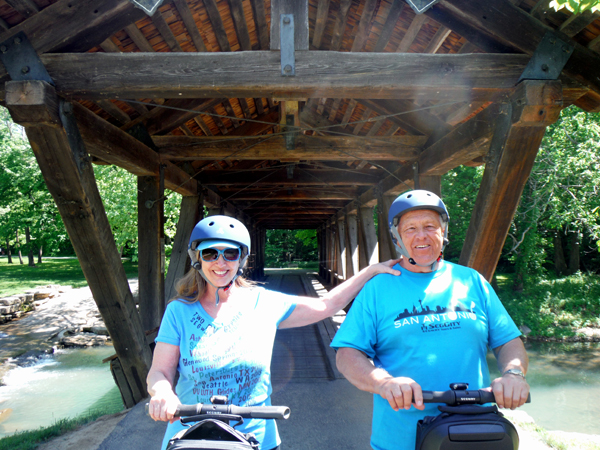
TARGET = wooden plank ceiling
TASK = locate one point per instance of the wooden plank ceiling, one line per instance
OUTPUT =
(356, 141)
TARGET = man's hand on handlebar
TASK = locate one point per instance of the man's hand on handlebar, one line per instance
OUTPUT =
(400, 391)
(510, 391)
(163, 405)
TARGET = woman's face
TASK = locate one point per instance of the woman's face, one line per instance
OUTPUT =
(220, 272)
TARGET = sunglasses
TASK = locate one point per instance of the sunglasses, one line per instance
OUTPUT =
(212, 254)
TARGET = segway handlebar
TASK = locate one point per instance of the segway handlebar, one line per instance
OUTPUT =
(460, 395)
(246, 412)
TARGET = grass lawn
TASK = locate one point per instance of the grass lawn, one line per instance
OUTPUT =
(17, 278)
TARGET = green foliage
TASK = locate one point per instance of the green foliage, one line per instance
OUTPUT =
(118, 189)
(553, 307)
(459, 189)
(16, 278)
(24, 199)
(285, 248)
(576, 6)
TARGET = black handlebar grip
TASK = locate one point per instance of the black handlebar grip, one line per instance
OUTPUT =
(447, 397)
(262, 412)
(188, 410)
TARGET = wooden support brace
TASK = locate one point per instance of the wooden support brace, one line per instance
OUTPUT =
(341, 247)
(190, 214)
(367, 238)
(386, 246)
(351, 245)
(70, 179)
(515, 143)
(151, 251)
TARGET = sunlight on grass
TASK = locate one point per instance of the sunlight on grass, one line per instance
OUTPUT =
(17, 278)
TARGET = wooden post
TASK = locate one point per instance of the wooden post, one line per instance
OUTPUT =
(367, 238)
(514, 146)
(151, 266)
(386, 246)
(299, 8)
(330, 254)
(190, 214)
(341, 242)
(263, 242)
(351, 245)
(35, 105)
(432, 183)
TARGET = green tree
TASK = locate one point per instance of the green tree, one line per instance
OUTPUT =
(285, 247)
(576, 6)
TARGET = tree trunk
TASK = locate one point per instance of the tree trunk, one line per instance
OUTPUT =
(8, 251)
(574, 252)
(40, 255)
(560, 264)
(18, 245)
(29, 248)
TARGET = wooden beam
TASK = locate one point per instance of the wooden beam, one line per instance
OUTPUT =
(340, 238)
(340, 25)
(351, 239)
(260, 20)
(364, 25)
(386, 246)
(138, 38)
(289, 194)
(190, 24)
(304, 177)
(80, 206)
(507, 25)
(165, 120)
(68, 26)
(217, 22)
(109, 46)
(239, 22)
(299, 9)
(390, 25)
(320, 21)
(190, 213)
(578, 22)
(165, 31)
(110, 144)
(114, 110)
(151, 251)
(26, 8)
(367, 238)
(517, 137)
(317, 148)
(438, 39)
(411, 33)
(469, 77)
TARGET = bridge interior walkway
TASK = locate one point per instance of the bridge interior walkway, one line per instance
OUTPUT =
(327, 411)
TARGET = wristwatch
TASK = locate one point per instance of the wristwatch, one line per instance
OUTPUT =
(514, 372)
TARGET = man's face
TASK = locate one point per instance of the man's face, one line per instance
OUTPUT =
(422, 235)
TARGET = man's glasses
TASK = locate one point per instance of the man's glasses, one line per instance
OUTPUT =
(212, 254)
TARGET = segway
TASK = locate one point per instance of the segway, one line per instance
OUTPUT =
(463, 424)
(211, 429)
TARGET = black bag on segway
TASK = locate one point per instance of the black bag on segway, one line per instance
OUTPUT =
(467, 427)
(211, 434)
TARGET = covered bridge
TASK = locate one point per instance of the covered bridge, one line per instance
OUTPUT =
(284, 114)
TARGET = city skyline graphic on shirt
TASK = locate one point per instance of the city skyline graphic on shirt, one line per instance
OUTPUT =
(427, 310)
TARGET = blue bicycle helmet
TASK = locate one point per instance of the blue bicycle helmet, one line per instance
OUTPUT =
(219, 228)
(412, 201)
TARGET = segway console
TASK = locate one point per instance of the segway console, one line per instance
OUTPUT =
(212, 431)
(464, 424)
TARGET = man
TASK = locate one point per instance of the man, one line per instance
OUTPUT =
(426, 329)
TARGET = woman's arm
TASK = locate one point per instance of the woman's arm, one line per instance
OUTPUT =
(160, 379)
(309, 310)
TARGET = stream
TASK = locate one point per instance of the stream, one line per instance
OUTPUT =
(564, 379)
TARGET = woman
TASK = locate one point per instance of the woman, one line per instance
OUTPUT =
(219, 333)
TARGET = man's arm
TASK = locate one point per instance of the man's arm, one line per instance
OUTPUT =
(511, 390)
(310, 310)
(357, 369)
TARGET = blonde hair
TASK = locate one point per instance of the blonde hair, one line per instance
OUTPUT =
(191, 287)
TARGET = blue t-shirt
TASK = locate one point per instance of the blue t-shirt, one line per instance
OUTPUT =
(229, 356)
(432, 327)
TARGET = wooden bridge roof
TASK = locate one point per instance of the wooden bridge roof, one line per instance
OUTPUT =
(379, 89)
